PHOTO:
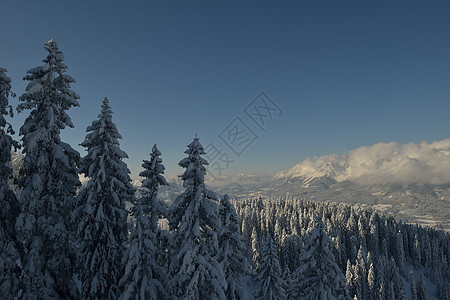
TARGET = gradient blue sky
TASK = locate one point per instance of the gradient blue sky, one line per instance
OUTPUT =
(345, 73)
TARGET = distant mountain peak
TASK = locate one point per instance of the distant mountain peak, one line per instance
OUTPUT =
(427, 163)
(332, 166)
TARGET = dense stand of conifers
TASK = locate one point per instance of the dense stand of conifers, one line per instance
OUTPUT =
(375, 253)
(61, 241)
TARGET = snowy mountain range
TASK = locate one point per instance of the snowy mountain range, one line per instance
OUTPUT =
(409, 181)
(335, 167)
(427, 163)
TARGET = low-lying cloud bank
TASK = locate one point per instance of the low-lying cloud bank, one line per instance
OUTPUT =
(427, 163)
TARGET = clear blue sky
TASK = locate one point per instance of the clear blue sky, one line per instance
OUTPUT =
(344, 73)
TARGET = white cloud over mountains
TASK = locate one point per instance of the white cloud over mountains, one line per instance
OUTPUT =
(382, 163)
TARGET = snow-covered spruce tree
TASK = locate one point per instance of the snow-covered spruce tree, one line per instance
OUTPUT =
(360, 271)
(287, 277)
(269, 274)
(48, 179)
(371, 282)
(153, 174)
(412, 284)
(397, 281)
(318, 275)
(9, 206)
(255, 248)
(157, 209)
(194, 220)
(144, 276)
(421, 288)
(232, 251)
(100, 215)
(350, 278)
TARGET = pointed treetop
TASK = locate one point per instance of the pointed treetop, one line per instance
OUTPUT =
(106, 109)
(318, 223)
(195, 147)
(105, 103)
(194, 164)
(52, 42)
(55, 56)
(50, 87)
(154, 164)
(225, 198)
(104, 130)
(52, 47)
(153, 170)
(155, 151)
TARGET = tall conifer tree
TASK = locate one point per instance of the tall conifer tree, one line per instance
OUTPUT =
(9, 205)
(232, 250)
(100, 216)
(49, 179)
(195, 223)
(269, 274)
(144, 276)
